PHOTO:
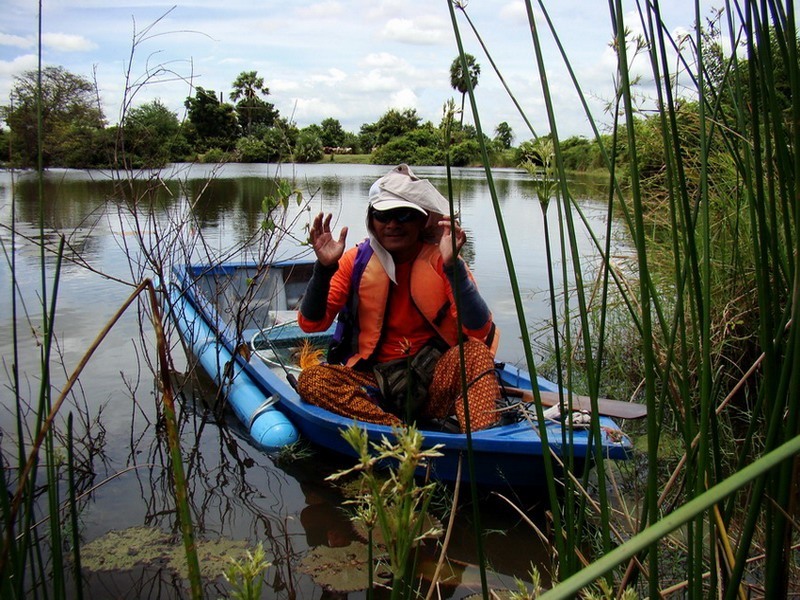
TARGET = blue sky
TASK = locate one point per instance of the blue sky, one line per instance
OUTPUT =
(347, 59)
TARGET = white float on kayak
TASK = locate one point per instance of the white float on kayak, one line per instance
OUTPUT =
(269, 428)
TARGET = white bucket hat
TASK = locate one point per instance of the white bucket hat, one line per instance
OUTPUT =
(400, 188)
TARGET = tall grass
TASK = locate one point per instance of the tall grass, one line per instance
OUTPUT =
(707, 191)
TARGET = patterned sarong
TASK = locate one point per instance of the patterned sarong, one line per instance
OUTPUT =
(354, 393)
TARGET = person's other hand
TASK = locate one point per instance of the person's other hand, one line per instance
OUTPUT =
(446, 242)
(327, 249)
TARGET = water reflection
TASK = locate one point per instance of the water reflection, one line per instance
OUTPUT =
(237, 492)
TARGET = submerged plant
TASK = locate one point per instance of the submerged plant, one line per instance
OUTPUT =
(296, 451)
(397, 504)
(246, 576)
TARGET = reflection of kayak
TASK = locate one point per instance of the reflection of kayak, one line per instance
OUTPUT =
(238, 320)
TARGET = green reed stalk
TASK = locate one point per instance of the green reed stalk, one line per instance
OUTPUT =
(727, 189)
(51, 466)
(569, 242)
(703, 301)
(515, 291)
(680, 220)
(473, 485)
(638, 234)
(176, 457)
(508, 90)
(12, 586)
(609, 159)
(690, 510)
(683, 221)
(780, 370)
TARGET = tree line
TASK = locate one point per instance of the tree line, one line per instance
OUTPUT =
(244, 127)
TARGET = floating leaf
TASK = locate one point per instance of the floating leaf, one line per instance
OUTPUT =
(123, 550)
(338, 569)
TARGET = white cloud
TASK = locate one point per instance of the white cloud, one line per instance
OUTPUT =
(12, 68)
(386, 65)
(17, 66)
(375, 81)
(380, 60)
(313, 110)
(331, 77)
(17, 41)
(421, 31)
(277, 86)
(65, 42)
(404, 98)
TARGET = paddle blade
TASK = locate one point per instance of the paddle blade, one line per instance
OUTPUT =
(609, 408)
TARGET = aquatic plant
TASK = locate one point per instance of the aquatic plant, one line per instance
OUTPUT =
(246, 576)
(522, 592)
(397, 505)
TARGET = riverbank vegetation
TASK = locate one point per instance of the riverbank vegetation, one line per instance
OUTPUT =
(701, 319)
(247, 129)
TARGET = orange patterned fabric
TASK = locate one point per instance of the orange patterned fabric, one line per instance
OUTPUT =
(353, 393)
(482, 387)
(344, 391)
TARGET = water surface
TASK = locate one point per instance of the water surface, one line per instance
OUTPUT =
(207, 212)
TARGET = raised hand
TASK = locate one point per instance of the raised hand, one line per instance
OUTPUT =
(327, 249)
(446, 242)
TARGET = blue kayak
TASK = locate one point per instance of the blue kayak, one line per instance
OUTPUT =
(238, 321)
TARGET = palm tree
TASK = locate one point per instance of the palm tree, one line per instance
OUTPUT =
(247, 88)
(458, 78)
(504, 135)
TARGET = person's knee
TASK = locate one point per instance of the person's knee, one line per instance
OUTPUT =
(309, 378)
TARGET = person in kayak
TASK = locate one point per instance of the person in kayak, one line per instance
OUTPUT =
(395, 355)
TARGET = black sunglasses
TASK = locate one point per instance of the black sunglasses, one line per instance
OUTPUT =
(401, 215)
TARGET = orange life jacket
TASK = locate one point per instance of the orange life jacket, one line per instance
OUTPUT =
(429, 292)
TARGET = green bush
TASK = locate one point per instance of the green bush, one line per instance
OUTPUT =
(250, 149)
(580, 154)
(4, 138)
(465, 153)
(422, 146)
(277, 144)
(399, 150)
(308, 148)
(214, 155)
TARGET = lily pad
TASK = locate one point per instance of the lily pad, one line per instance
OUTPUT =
(338, 569)
(125, 549)
(122, 550)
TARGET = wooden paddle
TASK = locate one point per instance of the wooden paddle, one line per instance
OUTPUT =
(609, 408)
